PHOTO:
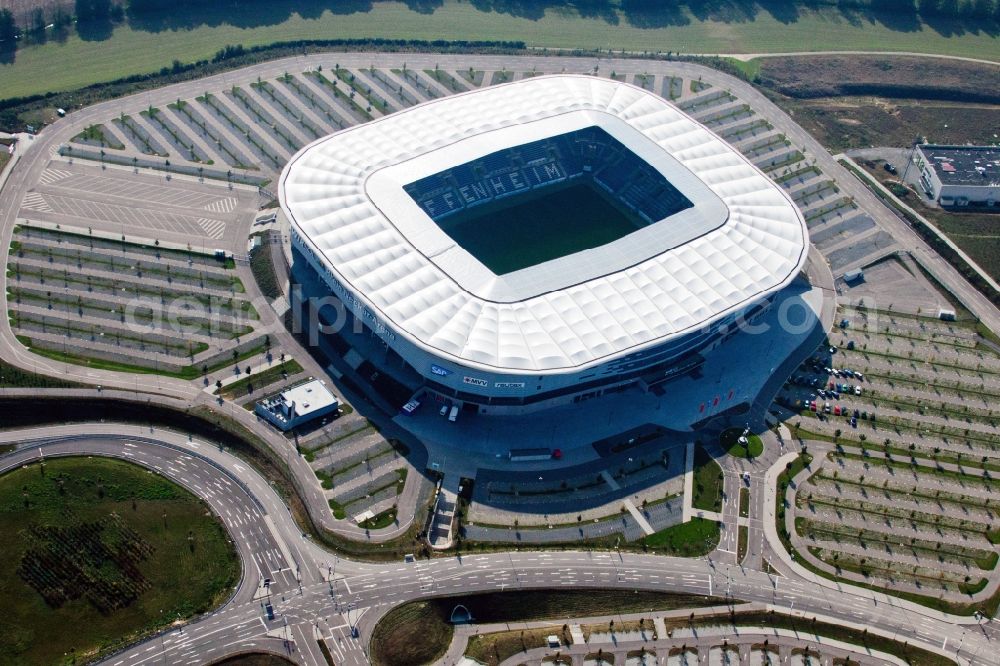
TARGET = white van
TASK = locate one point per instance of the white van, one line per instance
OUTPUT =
(444, 410)
(453, 414)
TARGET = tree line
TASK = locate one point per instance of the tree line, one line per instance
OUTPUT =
(110, 12)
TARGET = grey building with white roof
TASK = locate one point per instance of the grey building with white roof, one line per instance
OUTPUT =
(960, 175)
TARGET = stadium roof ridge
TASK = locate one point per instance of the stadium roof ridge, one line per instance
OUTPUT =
(652, 293)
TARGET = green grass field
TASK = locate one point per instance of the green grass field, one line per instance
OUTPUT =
(694, 538)
(189, 566)
(729, 440)
(707, 482)
(537, 227)
(418, 632)
(75, 62)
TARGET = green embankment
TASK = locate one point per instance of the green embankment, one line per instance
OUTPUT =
(118, 538)
(75, 62)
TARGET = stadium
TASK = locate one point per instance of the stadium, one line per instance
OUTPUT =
(540, 242)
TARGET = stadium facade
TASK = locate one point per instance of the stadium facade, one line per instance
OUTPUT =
(540, 242)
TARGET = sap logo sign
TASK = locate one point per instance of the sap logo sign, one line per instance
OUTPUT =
(475, 381)
(441, 372)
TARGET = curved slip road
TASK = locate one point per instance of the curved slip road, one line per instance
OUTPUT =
(361, 592)
(308, 603)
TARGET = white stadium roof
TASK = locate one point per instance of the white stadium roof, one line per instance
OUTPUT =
(743, 239)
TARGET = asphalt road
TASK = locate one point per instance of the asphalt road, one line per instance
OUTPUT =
(307, 603)
(267, 538)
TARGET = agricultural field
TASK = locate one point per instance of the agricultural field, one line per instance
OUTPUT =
(809, 77)
(846, 123)
(100, 547)
(903, 497)
(148, 44)
(850, 102)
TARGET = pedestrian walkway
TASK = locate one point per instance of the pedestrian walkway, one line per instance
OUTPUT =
(687, 512)
(639, 518)
(255, 364)
(443, 524)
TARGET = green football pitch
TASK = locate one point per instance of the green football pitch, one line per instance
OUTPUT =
(536, 228)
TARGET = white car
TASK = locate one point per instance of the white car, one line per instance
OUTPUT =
(857, 390)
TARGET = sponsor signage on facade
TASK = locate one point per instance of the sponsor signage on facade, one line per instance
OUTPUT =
(475, 381)
(508, 384)
(439, 371)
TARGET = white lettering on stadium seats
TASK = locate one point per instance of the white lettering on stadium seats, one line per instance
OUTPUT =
(474, 192)
(552, 171)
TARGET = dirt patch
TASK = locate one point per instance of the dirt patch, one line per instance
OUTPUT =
(861, 101)
(900, 77)
(862, 122)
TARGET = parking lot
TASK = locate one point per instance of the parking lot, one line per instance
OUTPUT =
(102, 302)
(904, 497)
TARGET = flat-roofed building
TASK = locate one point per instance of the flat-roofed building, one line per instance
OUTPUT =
(297, 405)
(960, 175)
